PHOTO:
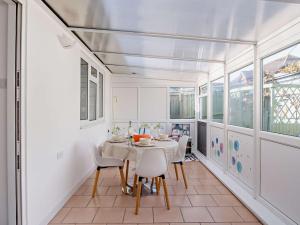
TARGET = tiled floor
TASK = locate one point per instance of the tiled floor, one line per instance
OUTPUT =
(205, 202)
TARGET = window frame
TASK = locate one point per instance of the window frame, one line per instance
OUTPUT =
(201, 96)
(212, 99)
(228, 94)
(91, 63)
(94, 81)
(261, 88)
(87, 83)
(101, 74)
(169, 104)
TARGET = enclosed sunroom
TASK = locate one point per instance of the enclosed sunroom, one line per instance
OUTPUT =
(165, 112)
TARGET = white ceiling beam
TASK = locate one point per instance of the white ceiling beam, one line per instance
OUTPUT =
(284, 1)
(154, 68)
(163, 35)
(161, 57)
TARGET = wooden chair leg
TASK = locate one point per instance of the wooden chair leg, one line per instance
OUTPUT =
(123, 184)
(176, 171)
(96, 182)
(138, 196)
(183, 174)
(127, 171)
(166, 192)
(134, 184)
(157, 183)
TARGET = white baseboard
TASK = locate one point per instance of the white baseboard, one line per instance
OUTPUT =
(262, 212)
(61, 204)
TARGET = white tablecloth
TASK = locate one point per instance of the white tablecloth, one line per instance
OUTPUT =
(125, 151)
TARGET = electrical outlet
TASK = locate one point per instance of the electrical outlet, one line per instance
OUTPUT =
(60, 155)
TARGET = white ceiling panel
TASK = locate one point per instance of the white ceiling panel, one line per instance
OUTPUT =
(214, 18)
(154, 46)
(172, 28)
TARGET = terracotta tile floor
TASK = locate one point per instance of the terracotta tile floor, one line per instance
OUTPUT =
(205, 202)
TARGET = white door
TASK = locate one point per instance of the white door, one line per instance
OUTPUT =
(3, 114)
(9, 153)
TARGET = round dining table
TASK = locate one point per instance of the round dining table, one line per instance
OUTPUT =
(127, 150)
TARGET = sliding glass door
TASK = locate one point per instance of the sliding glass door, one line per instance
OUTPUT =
(10, 175)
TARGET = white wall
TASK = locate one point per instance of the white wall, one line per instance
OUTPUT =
(125, 104)
(52, 123)
(3, 116)
(146, 100)
(271, 176)
(279, 177)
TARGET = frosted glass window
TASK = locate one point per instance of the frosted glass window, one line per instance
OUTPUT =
(217, 90)
(84, 68)
(281, 92)
(100, 115)
(93, 72)
(203, 102)
(241, 97)
(93, 101)
(182, 103)
(153, 104)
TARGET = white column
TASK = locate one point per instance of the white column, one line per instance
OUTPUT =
(225, 113)
(208, 116)
(257, 95)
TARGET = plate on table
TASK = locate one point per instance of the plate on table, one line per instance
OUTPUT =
(139, 144)
(117, 141)
(165, 139)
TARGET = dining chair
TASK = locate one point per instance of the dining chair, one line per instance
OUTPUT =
(180, 156)
(152, 163)
(103, 163)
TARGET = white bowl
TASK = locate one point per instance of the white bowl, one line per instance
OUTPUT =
(163, 136)
(116, 137)
(145, 141)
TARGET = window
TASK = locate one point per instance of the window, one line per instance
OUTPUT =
(241, 97)
(94, 72)
(100, 114)
(91, 93)
(217, 88)
(93, 101)
(182, 103)
(203, 102)
(281, 92)
(84, 90)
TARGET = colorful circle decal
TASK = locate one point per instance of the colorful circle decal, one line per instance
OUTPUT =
(221, 147)
(217, 140)
(212, 144)
(233, 160)
(236, 145)
(239, 167)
